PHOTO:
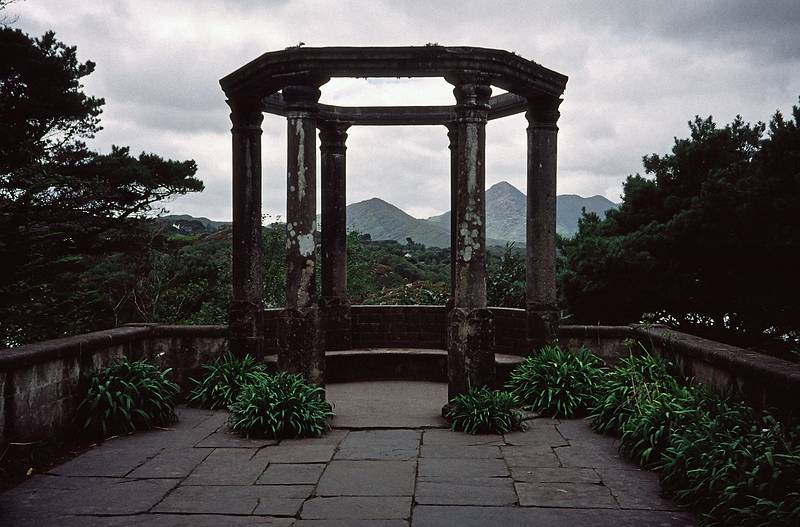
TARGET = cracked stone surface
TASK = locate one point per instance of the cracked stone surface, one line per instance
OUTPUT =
(196, 474)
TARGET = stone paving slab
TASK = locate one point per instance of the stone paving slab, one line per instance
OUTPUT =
(438, 516)
(368, 478)
(228, 466)
(554, 475)
(398, 445)
(636, 489)
(298, 453)
(268, 500)
(196, 474)
(388, 404)
(485, 491)
(358, 508)
(568, 495)
(351, 523)
(291, 474)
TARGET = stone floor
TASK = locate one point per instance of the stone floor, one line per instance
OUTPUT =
(388, 462)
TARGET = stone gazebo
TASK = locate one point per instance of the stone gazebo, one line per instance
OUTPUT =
(288, 83)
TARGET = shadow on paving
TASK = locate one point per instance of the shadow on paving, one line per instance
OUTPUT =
(389, 462)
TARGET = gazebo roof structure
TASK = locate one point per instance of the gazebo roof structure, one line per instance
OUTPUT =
(274, 70)
(287, 83)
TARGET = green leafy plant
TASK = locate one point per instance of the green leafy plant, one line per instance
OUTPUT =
(280, 405)
(485, 411)
(556, 382)
(224, 379)
(619, 391)
(127, 396)
(740, 467)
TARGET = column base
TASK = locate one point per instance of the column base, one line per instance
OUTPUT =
(246, 329)
(542, 327)
(302, 344)
(338, 324)
(470, 350)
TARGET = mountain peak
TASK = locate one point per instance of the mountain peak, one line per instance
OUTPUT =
(503, 186)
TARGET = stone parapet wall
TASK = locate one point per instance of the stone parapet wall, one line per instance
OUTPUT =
(40, 383)
(398, 326)
(761, 380)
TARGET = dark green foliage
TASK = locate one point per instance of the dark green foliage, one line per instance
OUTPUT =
(485, 411)
(620, 389)
(674, 247)
(739, 467)
(280, 405)
(556, 382)
(65, 209)
(224, 379)
(505, 279)
(127, 396)
(716, 454)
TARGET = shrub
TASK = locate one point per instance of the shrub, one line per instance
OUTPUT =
(740, 467)
(485, 411)
(224, 379)
(620, 389)
(280, 405)
(556, 382)
(127, 396)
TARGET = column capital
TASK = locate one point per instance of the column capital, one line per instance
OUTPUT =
(246, 114)
(333, 136)
(301, 97)
(472, 91)
(543, 112)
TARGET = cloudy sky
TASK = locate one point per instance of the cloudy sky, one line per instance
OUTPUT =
(638, 71)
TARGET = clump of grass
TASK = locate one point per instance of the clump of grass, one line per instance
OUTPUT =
(280, 405)
(485, 411)
(556, 382)
(224, 379)
(127, 396)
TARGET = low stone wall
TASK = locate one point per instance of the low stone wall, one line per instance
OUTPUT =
(398, 326)
(760, 380)
(39, 383)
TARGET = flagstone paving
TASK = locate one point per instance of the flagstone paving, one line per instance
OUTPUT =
(402, 470)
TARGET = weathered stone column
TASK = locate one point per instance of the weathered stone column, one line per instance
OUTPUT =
(470, 324)
(541, 297)
(245, 315)
(335, 303)
(302, 348)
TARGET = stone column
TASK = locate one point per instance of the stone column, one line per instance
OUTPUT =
(335, 303)
(541, 305)
(470, 324)
(302, 348)
(246, 313)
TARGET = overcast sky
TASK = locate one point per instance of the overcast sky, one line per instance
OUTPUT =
(638, 71)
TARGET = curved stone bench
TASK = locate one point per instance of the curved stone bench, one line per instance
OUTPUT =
(369, 364)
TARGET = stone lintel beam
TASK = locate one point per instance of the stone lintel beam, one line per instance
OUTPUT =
(470, 335)
(499, 106)
(541, 295)
(245, 316)
(302, 345)
(335, 302)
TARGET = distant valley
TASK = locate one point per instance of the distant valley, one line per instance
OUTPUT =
(505, 211)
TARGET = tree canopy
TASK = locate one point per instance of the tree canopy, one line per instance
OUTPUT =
(708, 240)
(63, 207)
